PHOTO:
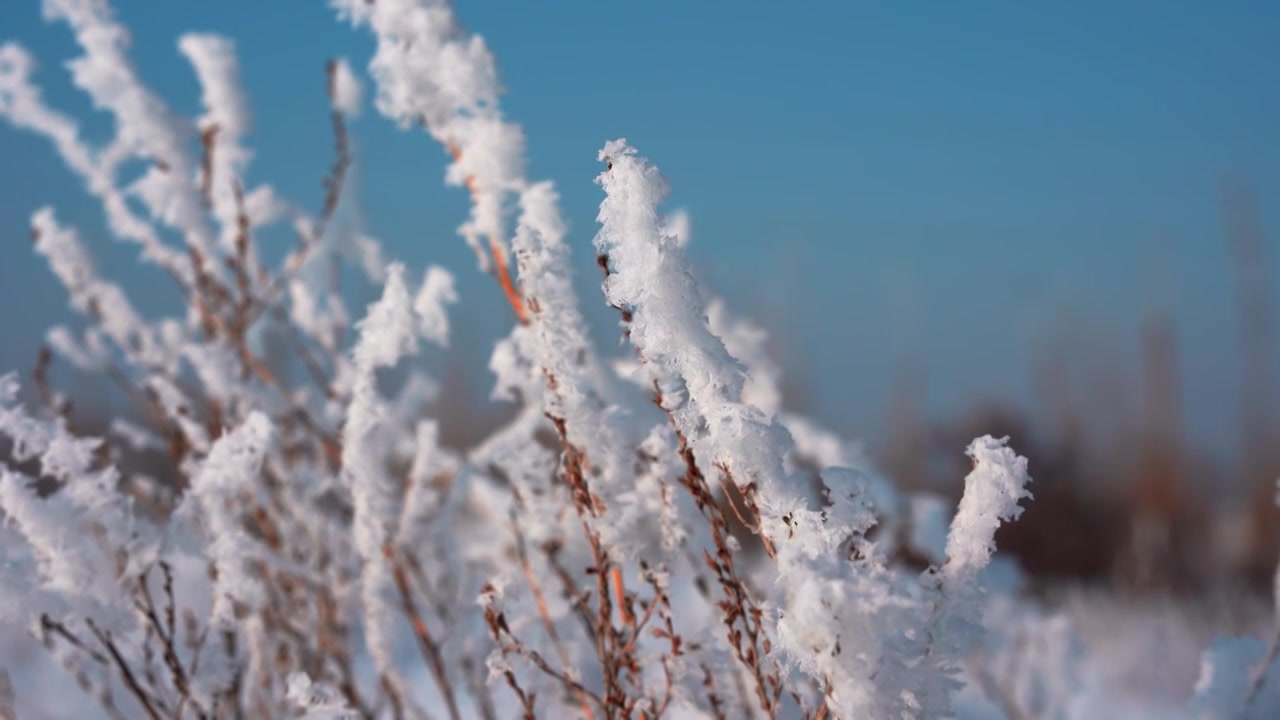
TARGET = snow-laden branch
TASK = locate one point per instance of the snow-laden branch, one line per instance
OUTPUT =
(428, 70)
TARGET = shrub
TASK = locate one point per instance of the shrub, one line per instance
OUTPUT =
(647, 537)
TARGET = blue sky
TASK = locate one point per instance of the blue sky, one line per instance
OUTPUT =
(872, 181)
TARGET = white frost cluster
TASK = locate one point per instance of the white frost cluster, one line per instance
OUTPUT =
(436, 294)
(317, 701)
(348, 93)
(991, 495)
(231, 468)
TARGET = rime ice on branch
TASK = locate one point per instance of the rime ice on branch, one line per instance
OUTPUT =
(991, 495)
(429, 70)
(701, 385)
(700, 382)
(387, 333)
(231, 467)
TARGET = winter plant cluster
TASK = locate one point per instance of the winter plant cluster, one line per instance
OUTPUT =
(651, 536)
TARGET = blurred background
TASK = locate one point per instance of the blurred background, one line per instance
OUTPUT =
(1054, 223)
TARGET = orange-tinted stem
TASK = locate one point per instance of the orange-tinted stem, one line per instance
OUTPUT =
(615, 573)
(501, 270)
(508, 285)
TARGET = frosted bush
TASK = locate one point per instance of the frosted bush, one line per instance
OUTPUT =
(650, 535)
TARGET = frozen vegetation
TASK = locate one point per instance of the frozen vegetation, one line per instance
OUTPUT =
(649, 536)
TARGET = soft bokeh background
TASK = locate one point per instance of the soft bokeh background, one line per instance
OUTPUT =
(950, 217)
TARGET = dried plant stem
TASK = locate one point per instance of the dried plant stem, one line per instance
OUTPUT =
(502, 272)
(126, 672)
(430, 648)
(543, 613)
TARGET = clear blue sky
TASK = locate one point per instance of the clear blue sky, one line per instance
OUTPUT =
(872, 181)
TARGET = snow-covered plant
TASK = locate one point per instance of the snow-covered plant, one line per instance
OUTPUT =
(649, 536)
